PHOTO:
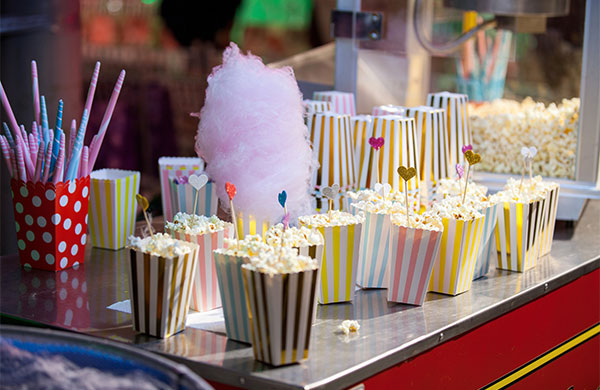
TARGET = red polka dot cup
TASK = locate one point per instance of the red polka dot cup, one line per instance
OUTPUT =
(51, 222)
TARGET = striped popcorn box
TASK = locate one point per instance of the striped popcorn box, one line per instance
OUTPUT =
(183, 197)
(160, 291)
(281, 314)
(233, 296)
(331, 138)
(171, 168)
(453, 268)
(249, 225)
(457, 122)
(432, 142)
(362, 130)
(322, 203)
(374, 255)
(112, 207)
(341, 102)
(413, 252)
(388, 109)
(205, 290)
(551, 205)
(400, 148)
(312, 106)
(518, 234)
(484, 257)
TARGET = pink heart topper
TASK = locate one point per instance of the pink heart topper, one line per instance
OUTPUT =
(460, 171)
(376, 143)
(467, 147)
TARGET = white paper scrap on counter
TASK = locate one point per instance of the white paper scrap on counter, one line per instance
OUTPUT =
(211, 321)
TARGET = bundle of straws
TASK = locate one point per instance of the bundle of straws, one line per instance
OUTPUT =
(42, 155)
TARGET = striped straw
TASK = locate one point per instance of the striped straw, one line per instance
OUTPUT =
(36, 134)
(36, 91)
(13, 161)
(60, 163)
(73, 165)
(24, 136)
(6, 153)
(55, 148)
(85, 154)
(21, 161)
(39, 162)
(90, 96)
(33, 147)
(9, 136)
(47, 158)
(44, 118)
(72, 135)
(59, 115)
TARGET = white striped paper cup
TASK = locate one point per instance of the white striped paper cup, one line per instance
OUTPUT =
(112, 207)
(281, 314)
(312, 106)
(374, 255)
(160, 291)
(183, 198)
(413, 253)
(341, 102)
(482, 264)
(453, 269)
(205, 290)
(362, 130)
(233, 296)
(549, 222)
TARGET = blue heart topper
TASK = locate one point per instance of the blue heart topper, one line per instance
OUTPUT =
(282, 197)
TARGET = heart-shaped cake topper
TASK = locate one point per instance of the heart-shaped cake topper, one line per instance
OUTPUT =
(376, 143)
(460, 171)
(472, 157)
(407, 173)
(198, 181)
(142, 201)
(231, 190)
(528, 153)
(331, 192)
(467, 147)
(282, 197)
(383, 189)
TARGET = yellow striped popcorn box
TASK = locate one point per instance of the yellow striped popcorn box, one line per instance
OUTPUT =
(312, 106)
(374, 255)
(434, 163)
(388, 109)
(160, 291)
(341, 102)
(112, 207)
(362, 130)
(551, 205)
(400, 148)
(250, 225)
(331, 138)
(454, 267)
(281, 314)
(519, 234)
(205, 290)
(457, 122)
(175, 168)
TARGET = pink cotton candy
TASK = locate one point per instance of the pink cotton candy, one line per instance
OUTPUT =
(252, 134)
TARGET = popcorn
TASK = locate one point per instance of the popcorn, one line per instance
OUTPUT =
(196, 224)
(251, 245)
(363, 195)
(338, 218)
(530, 191)
(452, 207)
(500, 128)
(160, 244)
(285, 260)
(427, 221)
(455, 187)
(295, 237)
(348, 326)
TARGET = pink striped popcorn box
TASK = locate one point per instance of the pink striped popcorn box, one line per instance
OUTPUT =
(340, 102)
(413, 253)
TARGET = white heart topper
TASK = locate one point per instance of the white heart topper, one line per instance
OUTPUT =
(331, 192)
(528, 153)
(198, 181)
(383, 189)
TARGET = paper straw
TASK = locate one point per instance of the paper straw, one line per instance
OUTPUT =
(106, 119)
(55, 148)
(9, 136)
(72, 135)
(24, 137)
(84, 161)
(6, 154)
(14, 125)
(59, 114)
(39, 162)
(13, 160)
(20, 161)
(33, 147)
(34, 131)
(73, 165)
(45, 125)
(90, 96)
(36, 91)
(60, 163)
(47, 158)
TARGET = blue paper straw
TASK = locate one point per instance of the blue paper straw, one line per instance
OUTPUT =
(76, 154)
(9, 136)
(55, 149)
(44, 119)
(59, 114)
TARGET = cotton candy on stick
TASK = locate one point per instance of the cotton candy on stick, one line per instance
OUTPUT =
(252, 133)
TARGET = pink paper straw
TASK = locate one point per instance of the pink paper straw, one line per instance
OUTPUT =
(84, 162)
(48, 158)
(92, 89)
(92, 146)
(6, 154)
(36, 91)
(106, 119)
(72, 136)
(13, 161)
(60, 161)
(21, 160)
(35, 132)
(25, 137)
(40, 160)
(33, 147)
(14, 125)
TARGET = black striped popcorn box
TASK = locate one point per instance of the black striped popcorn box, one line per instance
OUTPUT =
(551, 206)
(281, 314)
(160, 291)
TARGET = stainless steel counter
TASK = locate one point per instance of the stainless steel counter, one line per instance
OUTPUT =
(77, 300)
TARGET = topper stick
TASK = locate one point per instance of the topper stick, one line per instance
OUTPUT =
(406, 200)
(330, 207)
(144, 203)
(522, 175)
(466, 183)
(530, 168)
(231, 191)
(196, 200)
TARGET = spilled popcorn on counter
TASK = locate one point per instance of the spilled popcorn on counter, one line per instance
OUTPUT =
(348, 326)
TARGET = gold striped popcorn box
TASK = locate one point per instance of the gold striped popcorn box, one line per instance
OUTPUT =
(331, 138)
(456, 106)
(250, 225)
(413, 252)
(340, 262)
(519, 234)
(388, 109)
(454, 267)
(160, 291)
(170, 168)
(312, 106)
(551, 205)
(233, 295)
(341, 102)
(281, 314)
(374, 255)
(432, 142)
(485, 255)
(183, 197)
(362, 130)
(205, 290)
(400, 148)
(112, 207)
